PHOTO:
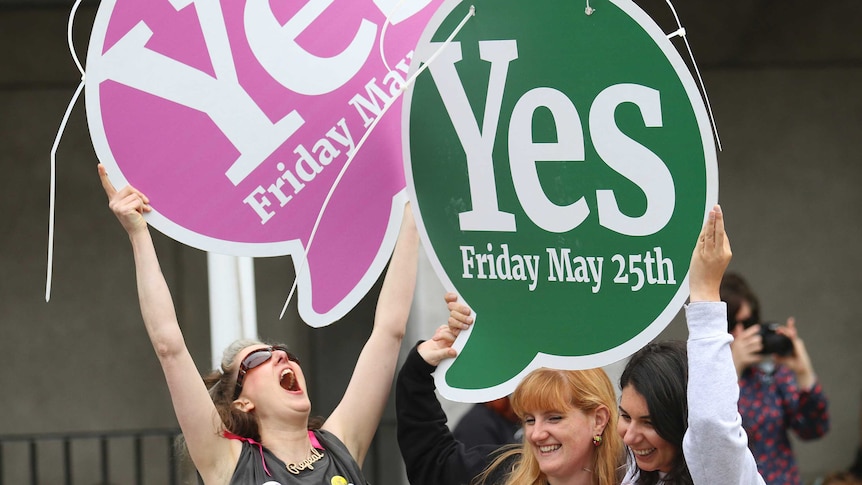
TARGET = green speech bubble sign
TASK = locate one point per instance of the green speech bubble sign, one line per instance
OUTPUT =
(561, 166)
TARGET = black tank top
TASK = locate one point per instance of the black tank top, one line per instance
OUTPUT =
(257, 466)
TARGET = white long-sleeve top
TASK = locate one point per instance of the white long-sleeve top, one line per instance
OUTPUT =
(715, 445)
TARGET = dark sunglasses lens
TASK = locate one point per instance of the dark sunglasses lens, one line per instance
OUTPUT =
(256, 358)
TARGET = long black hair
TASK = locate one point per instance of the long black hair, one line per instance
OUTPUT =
(659, 373)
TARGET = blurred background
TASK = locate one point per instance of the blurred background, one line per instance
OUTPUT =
(82, 397)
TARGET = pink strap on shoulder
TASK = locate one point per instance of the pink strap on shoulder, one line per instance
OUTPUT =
(231, 436)
(314, 442)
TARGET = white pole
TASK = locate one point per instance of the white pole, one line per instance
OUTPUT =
(247, 297)
(233, 312)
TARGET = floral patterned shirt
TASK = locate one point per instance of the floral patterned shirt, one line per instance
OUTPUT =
(771, 404)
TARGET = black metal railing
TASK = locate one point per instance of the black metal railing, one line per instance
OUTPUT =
(136, 457)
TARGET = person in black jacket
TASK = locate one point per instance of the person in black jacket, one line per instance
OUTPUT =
(431, 453)
(570, 415)
(489, 423)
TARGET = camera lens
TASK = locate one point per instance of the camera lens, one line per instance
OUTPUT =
(774, 342)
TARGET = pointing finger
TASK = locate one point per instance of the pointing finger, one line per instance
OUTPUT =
(111, 191)
(106, 184)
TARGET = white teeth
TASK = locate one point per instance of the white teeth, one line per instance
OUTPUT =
(549, 448)
(643, 452)
(290, 385)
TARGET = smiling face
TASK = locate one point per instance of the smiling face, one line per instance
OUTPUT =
(651, 451)
(561, 441)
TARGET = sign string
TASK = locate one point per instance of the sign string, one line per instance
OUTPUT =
(62, 128)
(407, 83)
(386, 24)
(680, 32)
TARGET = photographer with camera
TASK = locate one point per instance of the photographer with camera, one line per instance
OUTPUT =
(778, 389)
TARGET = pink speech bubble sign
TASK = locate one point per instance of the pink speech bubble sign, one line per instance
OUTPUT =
(235, 118)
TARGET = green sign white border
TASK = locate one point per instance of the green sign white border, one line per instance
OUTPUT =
(425, 51)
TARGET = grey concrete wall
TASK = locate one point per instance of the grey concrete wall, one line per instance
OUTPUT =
(789, 185)
(784, 80)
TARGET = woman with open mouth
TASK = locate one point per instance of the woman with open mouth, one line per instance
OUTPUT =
(249, 423)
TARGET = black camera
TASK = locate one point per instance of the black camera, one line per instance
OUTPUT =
(774, 342)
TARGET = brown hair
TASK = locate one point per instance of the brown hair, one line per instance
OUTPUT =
(585, 390)
(735, 292)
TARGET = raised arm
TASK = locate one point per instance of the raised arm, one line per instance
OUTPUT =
(431, 454)
(715, 445)
(195, 411)
(356, 417)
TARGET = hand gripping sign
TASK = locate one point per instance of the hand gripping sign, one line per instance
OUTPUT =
(236, 117)
(561, 164)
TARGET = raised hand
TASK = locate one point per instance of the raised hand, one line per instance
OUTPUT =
(710, 258)
(439, 347)
(746, 346)
(799, 362)
(128, 204)
(460, 315)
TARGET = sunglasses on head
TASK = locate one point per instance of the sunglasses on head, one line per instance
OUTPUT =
(256, 358)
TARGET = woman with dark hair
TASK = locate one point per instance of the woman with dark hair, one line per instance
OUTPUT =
(250, 424)
(658, 373)
(678, 414)
(779, 390)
